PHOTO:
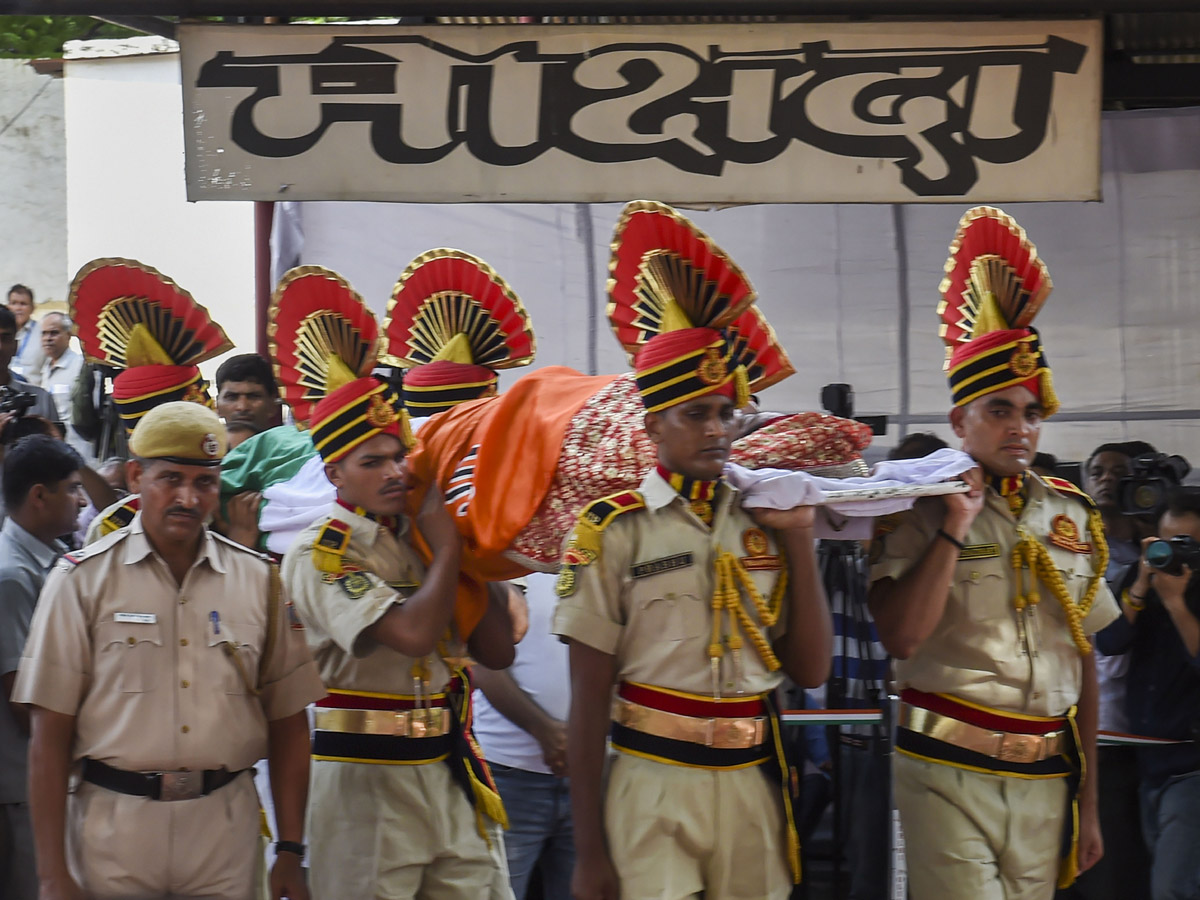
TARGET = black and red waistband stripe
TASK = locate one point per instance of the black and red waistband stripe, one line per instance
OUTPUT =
(358, 701)
(684, 705)
(992, 720)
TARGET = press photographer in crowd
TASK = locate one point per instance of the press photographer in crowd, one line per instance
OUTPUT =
(1160, 630)
(1114, 472)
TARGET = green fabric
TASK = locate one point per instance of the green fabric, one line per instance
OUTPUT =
(268, 458)
(265, 459)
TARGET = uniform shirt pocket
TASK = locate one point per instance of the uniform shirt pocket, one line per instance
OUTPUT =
(672, 615)
(239, 645)
(980, 583)
(132, 652)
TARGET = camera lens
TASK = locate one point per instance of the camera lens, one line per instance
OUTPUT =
(1146, 496)
(1159, 555)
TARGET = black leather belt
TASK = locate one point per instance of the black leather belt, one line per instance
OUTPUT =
(158, 785)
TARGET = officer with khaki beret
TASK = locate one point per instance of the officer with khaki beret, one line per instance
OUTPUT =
(161, 664)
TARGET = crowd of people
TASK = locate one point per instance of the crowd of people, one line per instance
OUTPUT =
(300, 569)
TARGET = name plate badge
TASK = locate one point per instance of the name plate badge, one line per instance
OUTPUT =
(979, 551)
(128, 618)
(665, 564)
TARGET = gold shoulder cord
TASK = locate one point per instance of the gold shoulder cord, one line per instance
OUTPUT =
(1030, 553)
(732, 581)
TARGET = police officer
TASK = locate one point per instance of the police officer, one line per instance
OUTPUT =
(160, 666)
(402, 804)
(695, 610)
(987, 600)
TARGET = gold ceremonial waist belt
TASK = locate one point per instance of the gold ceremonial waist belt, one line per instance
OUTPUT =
(720, 733)
(407, 723)
(1007, 746)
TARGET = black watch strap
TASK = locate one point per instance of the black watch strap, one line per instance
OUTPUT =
(290, 847)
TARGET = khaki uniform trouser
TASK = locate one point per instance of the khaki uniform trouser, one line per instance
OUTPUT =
(974, 836)
(130, 848)
(403, 832)
(676, 832)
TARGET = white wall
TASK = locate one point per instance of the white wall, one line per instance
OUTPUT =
(33, 181)
(126, 192)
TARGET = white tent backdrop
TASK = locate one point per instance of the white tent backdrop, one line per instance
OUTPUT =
(851, 289)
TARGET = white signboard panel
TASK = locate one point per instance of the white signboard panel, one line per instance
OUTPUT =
(892, 112)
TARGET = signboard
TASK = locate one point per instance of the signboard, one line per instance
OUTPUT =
(888, 112)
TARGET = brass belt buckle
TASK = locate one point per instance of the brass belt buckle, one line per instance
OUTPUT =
(418, 722)
(180, 785)
(1019, 748)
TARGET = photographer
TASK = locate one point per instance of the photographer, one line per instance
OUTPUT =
(1160, 630)
(12, 405)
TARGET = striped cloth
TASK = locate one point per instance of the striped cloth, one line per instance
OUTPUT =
(860, 664)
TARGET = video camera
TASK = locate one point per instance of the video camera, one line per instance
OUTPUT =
(16, 402)
(1151, 477)
(1170, 556)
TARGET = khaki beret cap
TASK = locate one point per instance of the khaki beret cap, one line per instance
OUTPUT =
(180, 432)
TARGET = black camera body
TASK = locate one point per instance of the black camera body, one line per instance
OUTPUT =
(1171, 555)
(1151, 478)
(15, 401)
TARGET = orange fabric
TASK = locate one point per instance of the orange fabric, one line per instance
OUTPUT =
(519, 435)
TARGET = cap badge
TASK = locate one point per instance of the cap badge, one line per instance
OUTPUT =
(194, 394)
(379, 413)
(1023, 362)
(210, 446)
(712, 367)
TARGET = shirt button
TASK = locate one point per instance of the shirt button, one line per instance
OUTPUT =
(183, 599)
(975, 577)
(185, 729)
(183, 642)
(131, 639)
(184, 683)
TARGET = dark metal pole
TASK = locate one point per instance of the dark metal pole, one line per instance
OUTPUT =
(590, 7)
(264, 213)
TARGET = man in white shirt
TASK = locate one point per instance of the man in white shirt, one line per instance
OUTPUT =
(520, 724)
(60, 370)
(27, 361)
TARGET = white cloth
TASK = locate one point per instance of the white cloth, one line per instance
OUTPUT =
(784, 489)
(540, 670)
(291, 506)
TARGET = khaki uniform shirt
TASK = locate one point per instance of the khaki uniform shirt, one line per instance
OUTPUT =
(141, 661)
(978, 651)
(647, 599)
(379, 569)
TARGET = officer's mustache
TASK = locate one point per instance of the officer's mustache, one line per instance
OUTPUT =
(182, 511)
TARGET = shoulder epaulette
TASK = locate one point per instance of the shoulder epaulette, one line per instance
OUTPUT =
(1062, 486)
(68, 561)
(121, 516)
(599, 513)
(597, 516)
(330, 546)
